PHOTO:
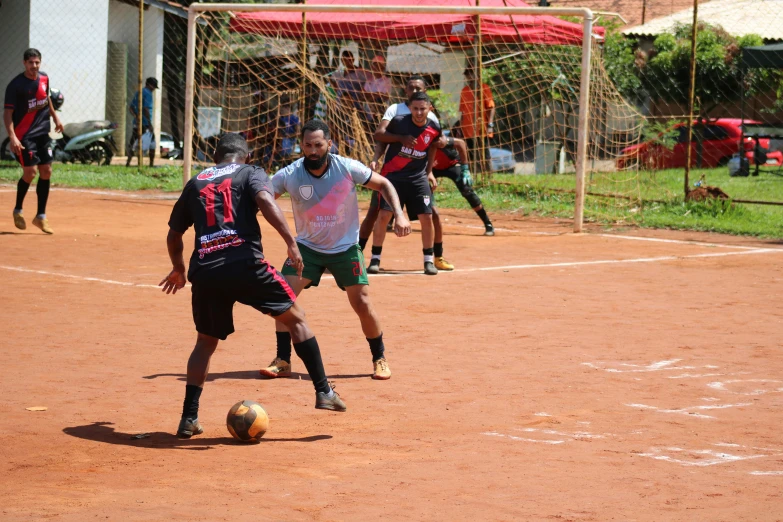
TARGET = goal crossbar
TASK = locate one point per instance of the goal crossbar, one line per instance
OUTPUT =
(197, 9)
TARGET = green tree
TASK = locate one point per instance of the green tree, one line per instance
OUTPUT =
(666, 73)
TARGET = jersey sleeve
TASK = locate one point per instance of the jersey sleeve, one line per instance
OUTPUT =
(489, 101)
(10, 95)
(258, 181)
(278, 182)
(181, 218)
(359, 172)
(390, 113)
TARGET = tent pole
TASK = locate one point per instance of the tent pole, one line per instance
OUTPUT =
(479, 126)
(741, 150)
(302, 96)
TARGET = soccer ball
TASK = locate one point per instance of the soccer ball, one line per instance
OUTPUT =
(247, 421)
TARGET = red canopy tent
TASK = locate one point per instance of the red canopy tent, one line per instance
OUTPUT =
(533, 29)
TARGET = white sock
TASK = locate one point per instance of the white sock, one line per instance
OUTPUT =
(41, 216)
(429, 259)
(376, 256)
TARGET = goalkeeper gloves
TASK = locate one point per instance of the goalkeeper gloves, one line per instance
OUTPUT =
(467, 179)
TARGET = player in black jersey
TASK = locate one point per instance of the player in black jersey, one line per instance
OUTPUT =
(228, 266)
(26, 113)
(408, 166)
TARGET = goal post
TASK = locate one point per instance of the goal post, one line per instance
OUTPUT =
(279, 49)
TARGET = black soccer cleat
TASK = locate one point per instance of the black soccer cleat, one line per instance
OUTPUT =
(489, 230)
(329, 401)
(375, 266)
(429, 268)
(188, 428)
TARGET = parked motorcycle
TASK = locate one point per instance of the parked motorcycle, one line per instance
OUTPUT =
(86, 142)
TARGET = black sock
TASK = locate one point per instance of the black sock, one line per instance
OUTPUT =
(190, 406)
(21, 192)
(484, 217)
(438, 250)
(376, 252)
(363, 242)
(310, 354)
(428, 251)
(376, 347)
(42, 189)
(284, 346)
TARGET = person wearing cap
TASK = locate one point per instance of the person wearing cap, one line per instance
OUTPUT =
(146, 119)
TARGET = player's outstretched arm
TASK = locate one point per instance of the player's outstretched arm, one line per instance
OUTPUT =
(176, 278)
(402, 226)
(274, 216)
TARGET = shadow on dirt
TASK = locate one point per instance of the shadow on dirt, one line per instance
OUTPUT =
(104, 432)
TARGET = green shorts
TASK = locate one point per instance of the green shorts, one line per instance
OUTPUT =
(346, 267)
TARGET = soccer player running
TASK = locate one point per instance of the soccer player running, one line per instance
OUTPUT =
(408, 165)
(26, 115)
(451, 161)
(415, 84)
(326, 212)
(228, 266)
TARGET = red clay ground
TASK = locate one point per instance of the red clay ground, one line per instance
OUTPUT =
(552, 376)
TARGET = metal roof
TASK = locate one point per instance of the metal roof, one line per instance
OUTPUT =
(738, 17)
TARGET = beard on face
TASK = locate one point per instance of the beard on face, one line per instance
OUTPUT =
(315, 164)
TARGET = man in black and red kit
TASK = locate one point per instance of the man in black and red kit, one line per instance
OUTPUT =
(228, 266)
(408, 166)
(26, 118)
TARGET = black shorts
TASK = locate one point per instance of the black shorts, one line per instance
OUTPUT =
(37, 151)
(253, 283)
(415, 196)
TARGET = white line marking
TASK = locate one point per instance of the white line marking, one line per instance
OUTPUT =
(638, 368)
(694, 375)
(522, 439)
(766, 473)
(687, 411)
(675, 241)
(542, 414)
(718, 458)
(717, 385)
(462, 270)
(82, 278)
(576, 435)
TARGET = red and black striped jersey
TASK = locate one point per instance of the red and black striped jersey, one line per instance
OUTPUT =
(402, 162)
(29, 99)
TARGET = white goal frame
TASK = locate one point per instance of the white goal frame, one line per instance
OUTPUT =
(197, 9)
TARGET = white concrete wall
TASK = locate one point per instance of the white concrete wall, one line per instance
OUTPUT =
(14, 39)
(71, 35)
(124, 27)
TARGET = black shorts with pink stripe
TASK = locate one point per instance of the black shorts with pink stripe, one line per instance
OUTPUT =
(253, 283)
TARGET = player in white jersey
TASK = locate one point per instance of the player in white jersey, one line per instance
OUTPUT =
(415, 84)
(322, 187)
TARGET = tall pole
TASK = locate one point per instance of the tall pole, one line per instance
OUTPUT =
(190, 72)
(140, 94)
(583, 135)
(303, 85)
(691, 96)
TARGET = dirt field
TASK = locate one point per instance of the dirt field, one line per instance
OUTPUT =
(552, 376)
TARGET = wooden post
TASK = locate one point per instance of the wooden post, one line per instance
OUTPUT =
(140, 105)
(691, 95)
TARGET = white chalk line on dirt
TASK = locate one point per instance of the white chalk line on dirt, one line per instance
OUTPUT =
(688, 410)
(676, 241)
(766, 473)
(457, 271)
(699, 456)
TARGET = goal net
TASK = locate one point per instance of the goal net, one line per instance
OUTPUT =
(507, 77)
